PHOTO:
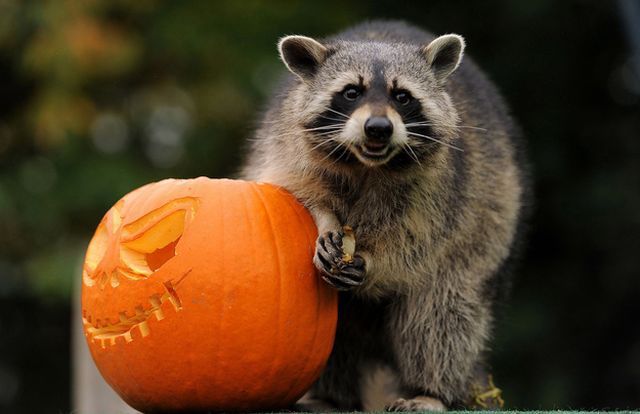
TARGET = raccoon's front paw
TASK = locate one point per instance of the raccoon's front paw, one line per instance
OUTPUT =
(417, 404)
(330, 260)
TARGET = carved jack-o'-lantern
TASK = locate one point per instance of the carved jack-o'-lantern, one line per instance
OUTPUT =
(201, 295)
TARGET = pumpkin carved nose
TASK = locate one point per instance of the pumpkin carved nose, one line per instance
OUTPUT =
(378, 129)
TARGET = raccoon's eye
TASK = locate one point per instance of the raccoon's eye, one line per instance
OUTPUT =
(351, 93)
(402, 97)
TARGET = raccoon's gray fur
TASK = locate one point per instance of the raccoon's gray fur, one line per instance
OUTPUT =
(383, 129)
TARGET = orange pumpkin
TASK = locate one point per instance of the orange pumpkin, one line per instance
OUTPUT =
(201, 295)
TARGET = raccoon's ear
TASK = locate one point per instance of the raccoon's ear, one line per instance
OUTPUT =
(302, 55)
(444, 55)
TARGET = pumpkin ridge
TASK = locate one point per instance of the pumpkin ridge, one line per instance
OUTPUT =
(311, 349)
(246, 203)
(273, 367)
(219, 227)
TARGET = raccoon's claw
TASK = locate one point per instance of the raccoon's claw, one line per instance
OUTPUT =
(334, 270)
(416, 404)
(329, 248)
(346, 276)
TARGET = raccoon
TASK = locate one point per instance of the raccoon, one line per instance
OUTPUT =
(383, 128)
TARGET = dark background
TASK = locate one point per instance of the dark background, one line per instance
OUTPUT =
(99, 97)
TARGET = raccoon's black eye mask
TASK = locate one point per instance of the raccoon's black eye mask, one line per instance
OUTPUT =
(408, 107)
(343, 103)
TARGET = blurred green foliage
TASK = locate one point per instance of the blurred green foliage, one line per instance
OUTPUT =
(100, 97)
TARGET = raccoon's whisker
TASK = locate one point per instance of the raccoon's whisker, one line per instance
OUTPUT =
(413, 111)
(332, 119)
(321, 143)
(346, 146)
(323, 132)
(411, 153)
(336, 112)
(344, 151)
(472, 127)
(342, 154)
(419, 123)
(338, 145)
(446, 144)
(413, 124)
(342, 121)
(325, 127)
(350, 143)
(329, 136)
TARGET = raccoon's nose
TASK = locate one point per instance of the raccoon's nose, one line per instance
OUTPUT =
(378, 128)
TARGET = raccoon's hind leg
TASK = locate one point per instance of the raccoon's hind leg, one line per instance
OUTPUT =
(338, 384)
(361, 342)
(382, 390)
(439, 338)
(379, 387)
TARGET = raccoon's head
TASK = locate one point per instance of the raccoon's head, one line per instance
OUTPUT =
(379, 104)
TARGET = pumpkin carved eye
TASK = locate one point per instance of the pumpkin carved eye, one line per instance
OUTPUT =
(136, 250)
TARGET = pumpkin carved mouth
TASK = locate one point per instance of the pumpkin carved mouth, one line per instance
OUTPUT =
(107, 333)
